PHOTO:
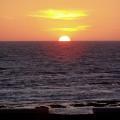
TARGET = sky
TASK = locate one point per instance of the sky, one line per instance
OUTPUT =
(44, 20)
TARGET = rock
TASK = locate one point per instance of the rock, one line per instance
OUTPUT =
(42, 109)
(96, 104)
(1, 68)
(112, 102)
(79, 105)
(57, 106)
(2, 106)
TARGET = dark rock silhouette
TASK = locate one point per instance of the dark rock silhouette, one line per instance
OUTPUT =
(57, 106)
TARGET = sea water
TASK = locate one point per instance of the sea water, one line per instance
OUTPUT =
(34, 72)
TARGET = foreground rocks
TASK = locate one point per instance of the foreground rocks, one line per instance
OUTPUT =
(95, 110)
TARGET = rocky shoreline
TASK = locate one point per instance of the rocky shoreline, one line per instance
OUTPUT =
(70, 111)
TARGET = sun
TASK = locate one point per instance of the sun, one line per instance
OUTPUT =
(64, 38)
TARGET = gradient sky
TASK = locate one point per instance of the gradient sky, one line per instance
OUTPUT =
(49, 19)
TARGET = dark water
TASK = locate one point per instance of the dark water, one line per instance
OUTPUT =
(33, 72)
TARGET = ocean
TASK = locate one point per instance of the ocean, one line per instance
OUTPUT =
(36, 72)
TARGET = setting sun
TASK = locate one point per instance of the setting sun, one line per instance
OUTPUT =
(64, 38)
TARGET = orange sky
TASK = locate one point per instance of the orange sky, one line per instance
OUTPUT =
(49, 19)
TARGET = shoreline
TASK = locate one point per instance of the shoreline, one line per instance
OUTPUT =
(77, 111)
(60, 104)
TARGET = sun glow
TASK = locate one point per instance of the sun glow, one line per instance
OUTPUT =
(64, 38)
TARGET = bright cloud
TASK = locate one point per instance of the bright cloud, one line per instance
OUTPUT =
(59, 14)
(71, 29)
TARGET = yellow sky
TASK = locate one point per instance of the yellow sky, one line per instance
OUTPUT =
(49, 19)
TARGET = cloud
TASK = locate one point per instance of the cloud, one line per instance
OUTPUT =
(71, 29)
(56, 14)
